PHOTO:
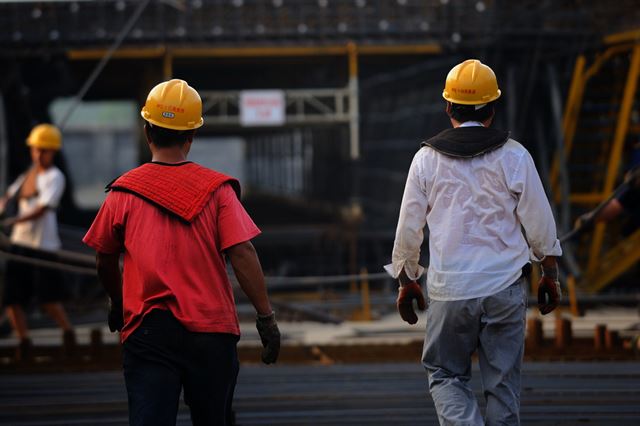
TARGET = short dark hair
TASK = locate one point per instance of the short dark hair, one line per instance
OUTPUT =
(464, 113)
(166, 138)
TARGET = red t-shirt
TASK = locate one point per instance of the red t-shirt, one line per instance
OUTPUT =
(171, 264)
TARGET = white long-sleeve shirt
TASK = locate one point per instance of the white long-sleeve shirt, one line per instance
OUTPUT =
(474, 209)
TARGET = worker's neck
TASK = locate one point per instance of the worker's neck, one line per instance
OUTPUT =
(173, 154)
(41, 168)
(485, 123)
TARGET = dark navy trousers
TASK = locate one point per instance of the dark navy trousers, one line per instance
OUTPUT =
(161, 357)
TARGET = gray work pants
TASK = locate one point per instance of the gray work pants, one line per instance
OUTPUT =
(494, 325)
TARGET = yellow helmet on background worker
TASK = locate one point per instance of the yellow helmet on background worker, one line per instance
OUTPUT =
(45, 136)
(471, 83)
(173, 105)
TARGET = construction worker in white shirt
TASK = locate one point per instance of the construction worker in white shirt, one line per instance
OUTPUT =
(475, 188)
(38, 192)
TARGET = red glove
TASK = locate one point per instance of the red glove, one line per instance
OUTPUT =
(407, 293)
(549, 292)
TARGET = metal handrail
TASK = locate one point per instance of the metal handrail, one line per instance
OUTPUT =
(85, 264)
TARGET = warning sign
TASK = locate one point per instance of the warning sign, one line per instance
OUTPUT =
(262, 108)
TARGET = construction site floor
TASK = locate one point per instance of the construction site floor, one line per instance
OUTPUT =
(386, 329)
(386, 339)
(577, 393)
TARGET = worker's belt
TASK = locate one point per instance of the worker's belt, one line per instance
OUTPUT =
(467, 142)
(182, 189)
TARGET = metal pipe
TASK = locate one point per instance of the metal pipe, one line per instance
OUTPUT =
(622, 37)
(511, 97)
(570, 116)
(4, 148)
(556, 114)
(568, 257)
(103, 62)
(525, 101)
(354, 116)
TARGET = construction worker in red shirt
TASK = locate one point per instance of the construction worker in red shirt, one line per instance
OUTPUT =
(175, 222)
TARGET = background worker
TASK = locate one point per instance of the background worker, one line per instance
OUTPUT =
(38, 192)
(626, 203)
(175, 222)
(474, 187)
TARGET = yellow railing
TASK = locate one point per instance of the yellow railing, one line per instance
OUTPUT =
(256, 51)
(615, 262)
(579, 81)
(615, 157)
(168, 54)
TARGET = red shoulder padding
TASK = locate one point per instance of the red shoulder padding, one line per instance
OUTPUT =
(182, 189)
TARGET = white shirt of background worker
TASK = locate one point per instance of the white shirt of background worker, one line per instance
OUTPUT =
(39, 191)
(41, 232)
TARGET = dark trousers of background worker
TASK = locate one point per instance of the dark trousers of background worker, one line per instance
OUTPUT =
(161, 357)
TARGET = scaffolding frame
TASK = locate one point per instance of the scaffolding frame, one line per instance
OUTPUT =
(602, 269)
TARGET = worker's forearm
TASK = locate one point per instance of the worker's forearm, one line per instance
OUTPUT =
(549, 266)
(612, 210)
(110, 275)
(246, 266)
(403, 278)
(37, 213)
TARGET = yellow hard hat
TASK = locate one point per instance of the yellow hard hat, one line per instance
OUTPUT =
(173, 105)
(471, 83)
(45, 136)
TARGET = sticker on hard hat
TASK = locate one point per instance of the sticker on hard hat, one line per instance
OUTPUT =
(468, 91)
(168, 114)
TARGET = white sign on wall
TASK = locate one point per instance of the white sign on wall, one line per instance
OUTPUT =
(262, 108)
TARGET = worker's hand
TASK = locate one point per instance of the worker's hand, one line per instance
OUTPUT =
(632, 177)
(407, 293)
(584, 222)
(549, 292)
(270, 337)
(116, 316)
(6, 224)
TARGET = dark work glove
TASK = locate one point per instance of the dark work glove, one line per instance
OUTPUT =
(270, 336)
(549, 292)
(407, 293)
(116, 316)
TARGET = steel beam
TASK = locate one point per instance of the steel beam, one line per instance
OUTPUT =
(148, 52)
(314, 106)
